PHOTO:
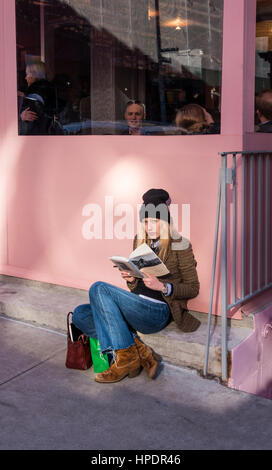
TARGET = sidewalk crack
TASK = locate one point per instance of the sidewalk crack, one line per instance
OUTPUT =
(32, 367)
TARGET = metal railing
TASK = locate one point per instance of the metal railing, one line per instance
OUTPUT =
(244, 200)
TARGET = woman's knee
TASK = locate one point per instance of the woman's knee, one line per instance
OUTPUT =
(83, 320)
(80, 313)
(96, 287)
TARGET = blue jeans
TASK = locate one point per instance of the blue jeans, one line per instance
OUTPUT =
(114, 314)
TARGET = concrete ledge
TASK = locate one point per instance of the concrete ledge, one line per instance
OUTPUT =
(48, 305)
(188, 349)
(39, 302)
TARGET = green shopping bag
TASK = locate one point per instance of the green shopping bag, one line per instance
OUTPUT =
(100, 361)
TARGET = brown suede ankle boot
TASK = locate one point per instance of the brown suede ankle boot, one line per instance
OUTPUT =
(148, 358)
(127, 362)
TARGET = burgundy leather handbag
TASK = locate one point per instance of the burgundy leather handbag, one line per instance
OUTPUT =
(78, 354)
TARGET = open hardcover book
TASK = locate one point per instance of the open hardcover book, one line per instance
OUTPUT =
(141, 261)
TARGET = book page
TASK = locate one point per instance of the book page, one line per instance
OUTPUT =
(119, 258)
(146, 259)
(156, 271)
(127, 265)
(142, 260)
(141, 250)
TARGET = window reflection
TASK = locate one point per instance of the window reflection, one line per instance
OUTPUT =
(263, 83)
(119, 66)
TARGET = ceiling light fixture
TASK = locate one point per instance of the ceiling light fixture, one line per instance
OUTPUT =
(178, 23)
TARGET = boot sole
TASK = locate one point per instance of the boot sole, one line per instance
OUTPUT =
(152, 373)
(156, 356)
(130, 375)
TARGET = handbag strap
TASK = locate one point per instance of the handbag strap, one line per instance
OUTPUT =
(83, 338)
(68, 325)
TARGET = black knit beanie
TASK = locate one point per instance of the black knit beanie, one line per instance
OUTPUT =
(156, 202)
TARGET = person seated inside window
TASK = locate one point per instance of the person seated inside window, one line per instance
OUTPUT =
(37, 84)
(38, 105)
(37, 112)
(134, 115)
(194, 119)
(264, 111)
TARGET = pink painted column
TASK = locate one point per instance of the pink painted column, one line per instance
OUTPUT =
(251, 140)
(8, 118)
(249, 66)
(238, 84)
(3, 224)
(232, 77)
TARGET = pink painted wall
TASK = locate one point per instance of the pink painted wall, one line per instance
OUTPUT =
(251, 359)
(46, 182)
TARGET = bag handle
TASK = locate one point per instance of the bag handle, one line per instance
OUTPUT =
(69, 332)
(84, 338)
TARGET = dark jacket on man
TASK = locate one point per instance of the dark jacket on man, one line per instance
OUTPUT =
(264, 127)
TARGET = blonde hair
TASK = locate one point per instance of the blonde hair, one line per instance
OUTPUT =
(36, 70)
(167, 235)
(192, 118)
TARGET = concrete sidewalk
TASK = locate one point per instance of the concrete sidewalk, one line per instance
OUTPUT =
(44, 405)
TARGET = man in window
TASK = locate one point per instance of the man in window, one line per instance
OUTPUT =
(264, 111)
(134, 115)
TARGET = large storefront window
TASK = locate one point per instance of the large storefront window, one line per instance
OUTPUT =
(130, 67)
(263, 83)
